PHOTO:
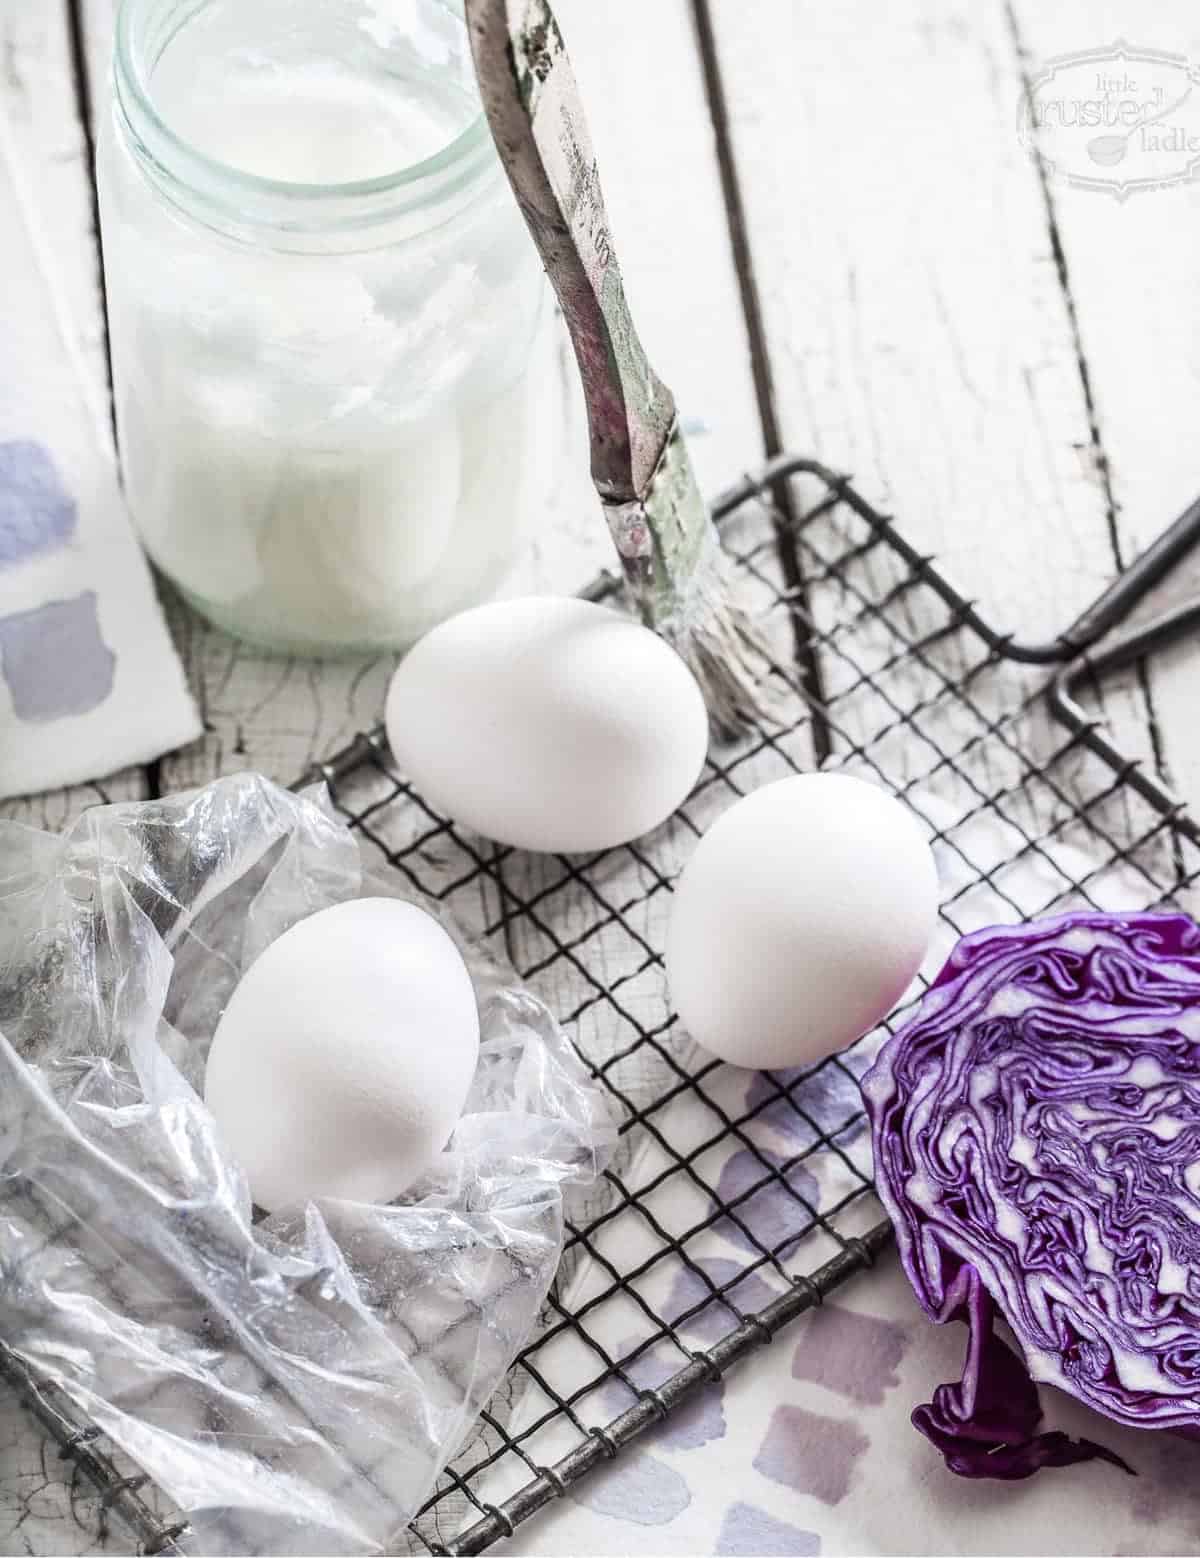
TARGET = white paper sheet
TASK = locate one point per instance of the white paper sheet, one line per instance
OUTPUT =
(89, 679)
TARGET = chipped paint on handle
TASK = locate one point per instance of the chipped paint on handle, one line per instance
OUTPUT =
(657, 518)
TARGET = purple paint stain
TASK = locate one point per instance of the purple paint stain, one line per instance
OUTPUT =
(37, 513)
(54, 659)
(748, 1293)
(856, 1355)
(763, 1097)
(771, 1217)
(636, 1487)
(749, 1532)
(1166, 1466)
(810, 1453)
(697, 1421)
(828, 1096)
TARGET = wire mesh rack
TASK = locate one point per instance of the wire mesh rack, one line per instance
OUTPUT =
(738, 1200)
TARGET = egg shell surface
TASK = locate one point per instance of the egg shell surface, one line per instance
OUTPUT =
(548, 723)
(799, 921)
(342, 1062)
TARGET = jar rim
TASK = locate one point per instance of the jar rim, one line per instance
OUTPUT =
(461, 155)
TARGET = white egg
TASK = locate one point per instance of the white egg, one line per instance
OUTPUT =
(341, 1064)
(548, 723)
(800, 919)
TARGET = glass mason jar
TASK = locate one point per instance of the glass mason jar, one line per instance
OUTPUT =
(325, 316)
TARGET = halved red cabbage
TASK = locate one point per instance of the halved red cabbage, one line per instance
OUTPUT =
(1037, 1145)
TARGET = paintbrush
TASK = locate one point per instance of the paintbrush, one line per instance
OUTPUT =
(674, 568)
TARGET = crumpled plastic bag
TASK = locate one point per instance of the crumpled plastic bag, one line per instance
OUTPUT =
(296, 1384)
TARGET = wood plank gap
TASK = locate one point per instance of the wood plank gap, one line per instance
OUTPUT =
(1063, 271)
(86, 91)
(1099, 452)
(85, 97)
(760, 364)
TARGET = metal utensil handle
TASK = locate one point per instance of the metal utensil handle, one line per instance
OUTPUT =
(537, 121)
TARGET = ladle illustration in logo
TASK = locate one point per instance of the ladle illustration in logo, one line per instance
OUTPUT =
(1119, 119)
(1108, 150)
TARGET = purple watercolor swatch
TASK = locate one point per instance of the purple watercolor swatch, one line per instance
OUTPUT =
(637, 1487)
(829, 1096)
(1166, 1467)
(54, 659)
(747, 1293)
(697, 1421)
(810, 1453)
(770, 1218)
(749, 1532)
(855, 1355)
(37, 513)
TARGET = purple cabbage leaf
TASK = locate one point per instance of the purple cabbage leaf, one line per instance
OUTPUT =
(1036, 1131)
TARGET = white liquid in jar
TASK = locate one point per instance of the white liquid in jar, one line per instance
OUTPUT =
(307, 437)
(304, 120)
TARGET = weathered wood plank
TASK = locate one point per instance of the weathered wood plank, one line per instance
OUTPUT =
(920, 337)
(37, 89)
(919, 332)
(37, 84)
(1139, 324)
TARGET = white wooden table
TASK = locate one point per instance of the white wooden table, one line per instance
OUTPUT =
(833, 241)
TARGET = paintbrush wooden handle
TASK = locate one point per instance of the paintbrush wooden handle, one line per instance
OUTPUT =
(536, 117)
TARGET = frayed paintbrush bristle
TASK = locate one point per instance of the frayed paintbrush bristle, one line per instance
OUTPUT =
(726, 651)
(681, 580)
